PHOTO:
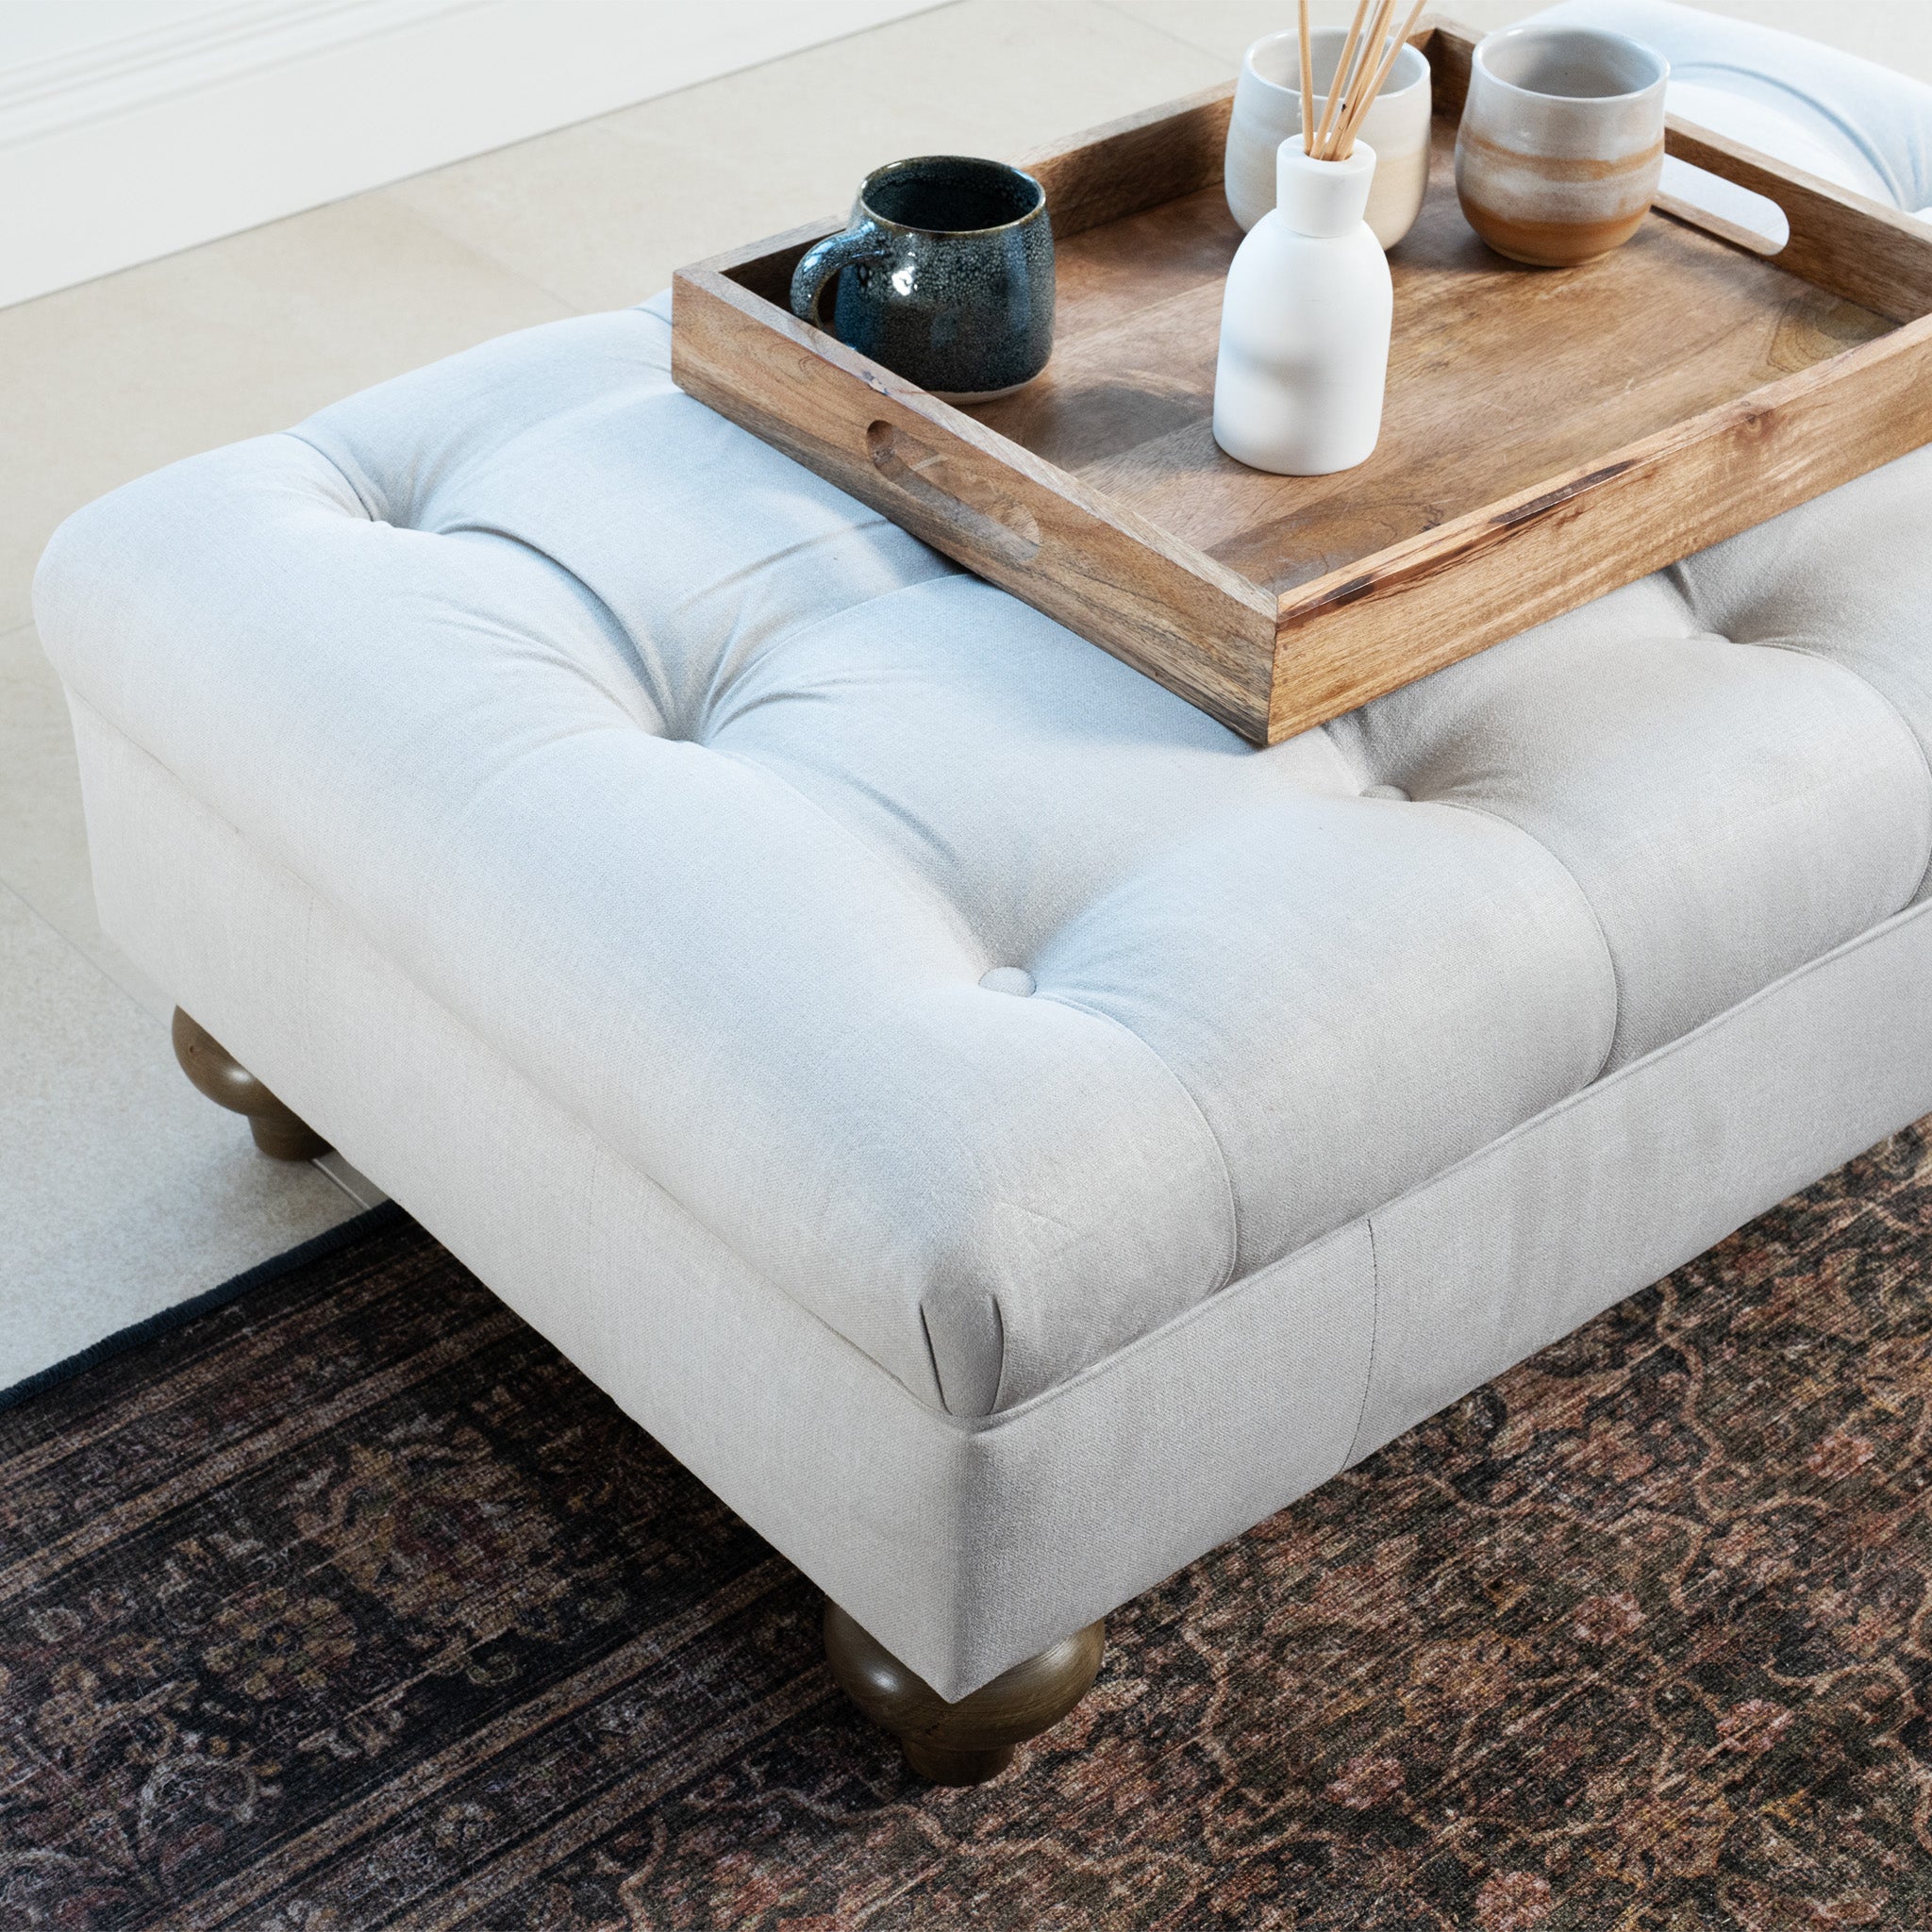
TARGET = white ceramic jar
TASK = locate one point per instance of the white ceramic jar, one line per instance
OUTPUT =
(1268, 110)
(1305, 324)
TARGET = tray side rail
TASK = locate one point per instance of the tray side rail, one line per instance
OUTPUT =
(1857, 248)
(1455, 590)
(1124, 167)
(1153, 601)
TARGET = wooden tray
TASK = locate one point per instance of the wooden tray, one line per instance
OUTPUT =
(1548, 435)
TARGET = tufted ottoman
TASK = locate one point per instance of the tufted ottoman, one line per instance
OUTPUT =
(1003, 1133)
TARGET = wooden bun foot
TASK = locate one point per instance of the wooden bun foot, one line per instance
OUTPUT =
(940, 1766)
(963, 1743)
(219, 1075)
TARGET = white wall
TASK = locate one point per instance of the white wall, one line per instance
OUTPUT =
(129, 128)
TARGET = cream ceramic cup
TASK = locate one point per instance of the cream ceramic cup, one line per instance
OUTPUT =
(1561, 142)
(1268, 110)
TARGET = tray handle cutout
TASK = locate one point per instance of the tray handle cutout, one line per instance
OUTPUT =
(1860, 250)
(954, 495)
(1722, 207)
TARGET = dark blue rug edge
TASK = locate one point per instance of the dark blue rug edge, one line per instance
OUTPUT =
(318, 1247)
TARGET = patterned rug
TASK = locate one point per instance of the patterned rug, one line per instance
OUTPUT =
(350, 1605)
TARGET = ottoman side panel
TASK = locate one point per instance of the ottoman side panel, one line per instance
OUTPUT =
(1607, 1192)
(1075, 1504)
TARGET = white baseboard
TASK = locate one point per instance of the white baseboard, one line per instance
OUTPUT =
(180, 121)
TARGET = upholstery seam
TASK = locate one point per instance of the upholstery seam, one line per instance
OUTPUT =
(1864, 683)
(501, 1060)
(891, 861)
(1361, 1414)
(1199, 1311)
(1905, 916)
(893, 864)
(932, 1356)
(986, 1425)
(619, 632)
(1563, 866)
(616, 631)
(315, 896)
(898, 868)
(713, 699)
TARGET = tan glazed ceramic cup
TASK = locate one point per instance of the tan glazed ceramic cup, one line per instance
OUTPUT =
(1562, 142)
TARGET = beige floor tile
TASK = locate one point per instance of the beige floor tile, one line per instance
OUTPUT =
(1226, 27)
(579, 212)
(601, 213)
(43, 840)
(125, 1191)
(104, 382)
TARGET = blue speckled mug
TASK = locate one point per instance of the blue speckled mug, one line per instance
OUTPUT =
(945, 276)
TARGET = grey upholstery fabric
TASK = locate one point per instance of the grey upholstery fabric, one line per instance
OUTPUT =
(1786, 804)
(716, 807)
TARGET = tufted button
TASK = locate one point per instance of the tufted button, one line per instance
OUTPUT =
(1012, 979)
(1385, 792)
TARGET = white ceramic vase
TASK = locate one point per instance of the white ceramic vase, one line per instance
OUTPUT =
(1305, 325)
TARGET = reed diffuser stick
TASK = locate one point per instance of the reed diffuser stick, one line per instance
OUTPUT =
(1366, 54)
(1365, 96)
(1319, 150)
(1307, 85)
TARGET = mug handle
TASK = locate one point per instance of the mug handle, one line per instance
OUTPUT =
(823, 261)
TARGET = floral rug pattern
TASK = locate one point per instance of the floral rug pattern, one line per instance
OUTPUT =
(352, 1605)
